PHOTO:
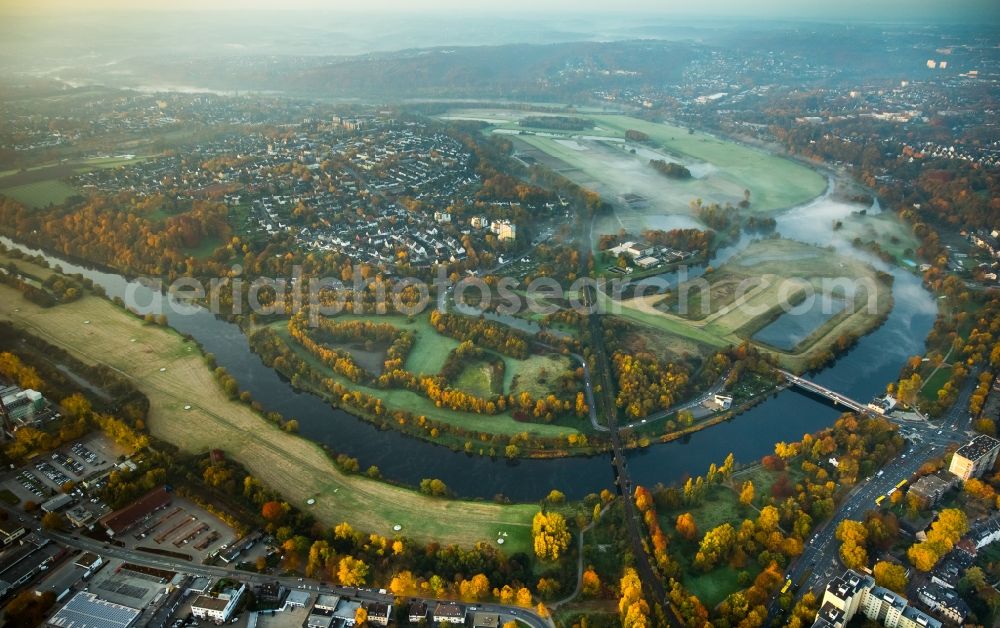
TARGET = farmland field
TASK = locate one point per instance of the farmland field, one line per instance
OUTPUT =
(297, 467)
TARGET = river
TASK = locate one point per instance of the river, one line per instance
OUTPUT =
(861, 373)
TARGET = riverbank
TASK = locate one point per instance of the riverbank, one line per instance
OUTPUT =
(188, 409)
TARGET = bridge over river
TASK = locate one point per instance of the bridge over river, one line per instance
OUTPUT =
(832, 395)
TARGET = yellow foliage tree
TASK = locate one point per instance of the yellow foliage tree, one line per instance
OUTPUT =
(550, 535)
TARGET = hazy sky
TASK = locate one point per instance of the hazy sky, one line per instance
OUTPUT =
(895, 10)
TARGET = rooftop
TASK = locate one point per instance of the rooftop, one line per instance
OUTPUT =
(86, 610)
(124, 518)
(978, 447)
(448, 609)
(210, 603)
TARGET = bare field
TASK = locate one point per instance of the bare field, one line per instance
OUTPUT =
(296, 467)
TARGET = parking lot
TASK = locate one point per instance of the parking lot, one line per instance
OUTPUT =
(183, 527)
(44, 476)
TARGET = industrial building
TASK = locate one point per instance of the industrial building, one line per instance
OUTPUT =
(122, 520)
(87, 610)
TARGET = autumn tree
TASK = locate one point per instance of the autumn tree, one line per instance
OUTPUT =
(475, 588)
(686, 526)
(28, 608)
(53, 521)
(716, 545)
(404, 584)
(591, 583)
(550, 535)
(949, 527)
(273, 511)
(352, 572)
(746, 493)
(632, 608)
(853, 537)
(891, 576)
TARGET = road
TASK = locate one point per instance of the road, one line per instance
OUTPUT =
(159, 617)
(820, 560)
(653, 585)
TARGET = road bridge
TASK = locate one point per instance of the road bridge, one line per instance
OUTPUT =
(836, 398)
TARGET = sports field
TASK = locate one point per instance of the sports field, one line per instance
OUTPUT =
(744, 295)
(296, 467)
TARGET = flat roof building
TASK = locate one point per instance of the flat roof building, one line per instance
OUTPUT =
(86, 610)
(486, 620)
(851, 593)
(220, 608)
(11, 531)
(975, 458)
(123, 519)
(931, 488)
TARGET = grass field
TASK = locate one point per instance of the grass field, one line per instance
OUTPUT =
(41, 186)
(719, 506)
(9, 498)
(429, 351)
(716, 585)
(40, 194)
(479, 379)
(296, 467)
(887, 230)
(746, 293)
(536, 374)
(935, 382)
(599, 159)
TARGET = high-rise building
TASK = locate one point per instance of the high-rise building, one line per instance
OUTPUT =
(847, 595)
(975, 458)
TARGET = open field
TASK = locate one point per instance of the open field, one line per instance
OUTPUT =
(41, 186)
(479, 379)
(716, 585)
(719, 506)
(536, 374)
(745, 295)
(601, 159)
(27, 268)
(429, 351)
(935, 382)
(887, 230)
(671, 347)
(40, 194)
(296, 467)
